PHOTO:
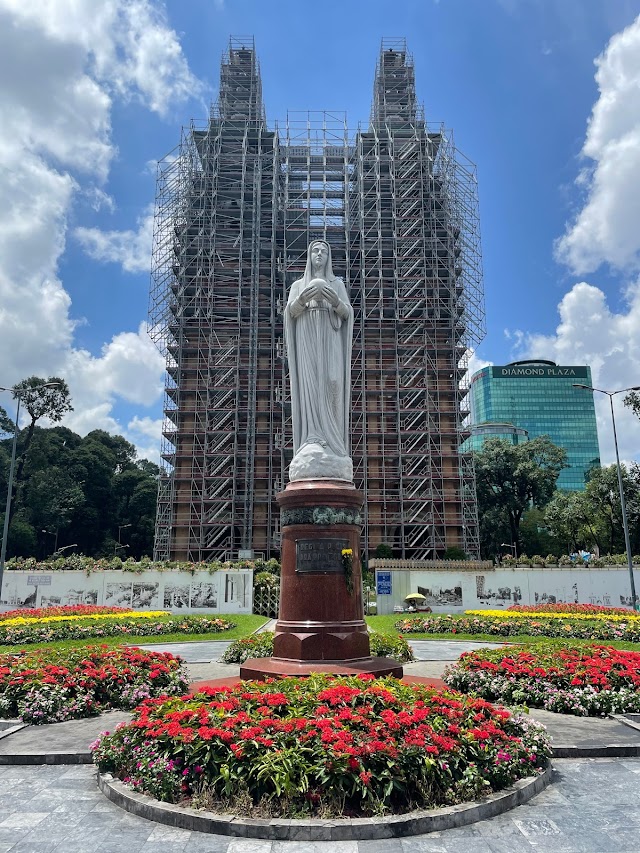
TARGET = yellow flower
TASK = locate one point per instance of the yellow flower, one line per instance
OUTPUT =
(515, 614)
(347, 552)
(91, 617)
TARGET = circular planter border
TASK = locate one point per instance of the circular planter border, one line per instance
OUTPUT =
(355, 829)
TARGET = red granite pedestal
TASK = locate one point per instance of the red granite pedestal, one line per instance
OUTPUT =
(321, 626)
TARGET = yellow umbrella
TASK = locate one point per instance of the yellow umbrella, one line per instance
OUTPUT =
(415, 596)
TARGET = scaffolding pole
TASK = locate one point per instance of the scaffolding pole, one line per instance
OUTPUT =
(237, 206)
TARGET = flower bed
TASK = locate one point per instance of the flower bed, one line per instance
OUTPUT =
(46, 686)
(322, 746)
(261, 646)
(510, 624)
(141, 624)
(61, 610)
(589, 609)
(629, 615)
(590, 681)
(87, 618)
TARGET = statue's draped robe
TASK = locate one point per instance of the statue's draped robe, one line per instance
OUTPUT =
(319, 353)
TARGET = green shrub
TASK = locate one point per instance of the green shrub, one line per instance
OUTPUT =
(454, 553)
(255, 646)
(390, 646)
(261, 646)
(384, 552)
(265, 580)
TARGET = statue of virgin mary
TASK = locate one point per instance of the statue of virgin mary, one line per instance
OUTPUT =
(318, 325)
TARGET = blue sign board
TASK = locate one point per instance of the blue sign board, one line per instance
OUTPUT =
(383, 583)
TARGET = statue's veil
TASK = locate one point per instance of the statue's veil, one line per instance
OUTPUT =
(308, 272)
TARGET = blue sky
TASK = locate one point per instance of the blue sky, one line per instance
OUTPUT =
(543, 95)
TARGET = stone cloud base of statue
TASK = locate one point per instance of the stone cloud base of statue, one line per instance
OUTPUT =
(318, 324)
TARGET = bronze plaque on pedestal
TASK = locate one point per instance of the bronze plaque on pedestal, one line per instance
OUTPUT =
(320, 556)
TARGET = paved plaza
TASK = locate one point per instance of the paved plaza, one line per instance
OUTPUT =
(592, 805)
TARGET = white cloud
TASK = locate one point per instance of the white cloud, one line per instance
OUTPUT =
(476, 363)
(146, 433)
(605, 231)
(591, 333)
(127, 44)
(606, 228)
(64, 64)
(131, 249)
(129, 367)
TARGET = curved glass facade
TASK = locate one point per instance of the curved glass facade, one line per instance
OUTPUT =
(539, 397)
(481, 432)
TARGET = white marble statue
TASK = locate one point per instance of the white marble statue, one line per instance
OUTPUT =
(318, 325)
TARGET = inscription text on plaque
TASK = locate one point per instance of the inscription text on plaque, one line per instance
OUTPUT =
(320, 556)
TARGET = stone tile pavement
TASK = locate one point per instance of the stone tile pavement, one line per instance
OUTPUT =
(203, 658)
(593, 806)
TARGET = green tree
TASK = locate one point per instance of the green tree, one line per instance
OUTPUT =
(53, 498)
(83, 489)
(494, 530)
(453, 552)
(536, 536)
(569, 519)
(52, 403)
(512, 478)
(149, 468)
(7, 426)
(632, 400)
(602, 496)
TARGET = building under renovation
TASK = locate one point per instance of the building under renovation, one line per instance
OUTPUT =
(237, 205)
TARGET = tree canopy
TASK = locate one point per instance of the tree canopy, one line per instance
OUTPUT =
(80, 491)
(593, 518)
(510, 479)
(42, 398)
(632, 400)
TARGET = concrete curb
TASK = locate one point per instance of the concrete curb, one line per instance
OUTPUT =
(46, 758)
(8, 727)
(356, 829)
(611, 750)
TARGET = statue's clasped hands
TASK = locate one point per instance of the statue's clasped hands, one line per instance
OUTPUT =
(318, 289)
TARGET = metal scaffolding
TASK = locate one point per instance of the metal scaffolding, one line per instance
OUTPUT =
(237, 206)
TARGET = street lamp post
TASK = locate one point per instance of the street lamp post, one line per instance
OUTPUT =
(507, 545)
(623, 506)
(5, 532)
(64, 548)
(55, 534)
(118, 546)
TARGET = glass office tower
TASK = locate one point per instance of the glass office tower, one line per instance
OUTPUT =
(539, 397)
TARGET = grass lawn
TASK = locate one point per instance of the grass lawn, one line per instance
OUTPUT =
(246, 623)
(385, 625)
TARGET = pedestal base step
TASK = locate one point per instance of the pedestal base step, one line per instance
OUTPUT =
(259, 669)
